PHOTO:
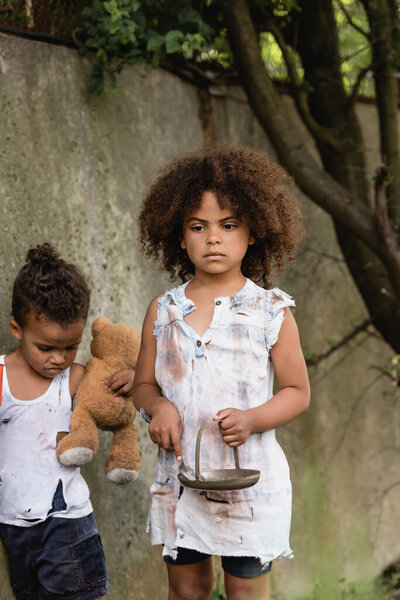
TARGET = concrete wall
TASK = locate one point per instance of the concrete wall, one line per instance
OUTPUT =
(73, 170)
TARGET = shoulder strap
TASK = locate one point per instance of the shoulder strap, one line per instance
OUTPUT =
(267, 317)
(1, 381)
(276, 301)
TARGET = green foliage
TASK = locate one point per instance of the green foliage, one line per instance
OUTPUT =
(127, 32)
(354, 46)
(218, 592)
(394, 370)
(279, 8)
(273, 59)
(355, 49)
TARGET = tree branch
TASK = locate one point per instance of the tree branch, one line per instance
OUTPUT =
(361, 75)
(383, 22)
(291, 150)
(386, 373)
(390, 239)
(312, 362)
(324, 135)
(381, 177)
(351, 22)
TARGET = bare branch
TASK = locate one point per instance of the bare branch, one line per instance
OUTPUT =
(351, 22)
(312, 362)
(395, 382)
(355, 53)
(361, 75)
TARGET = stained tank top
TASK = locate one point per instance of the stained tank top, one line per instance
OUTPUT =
(34, 485)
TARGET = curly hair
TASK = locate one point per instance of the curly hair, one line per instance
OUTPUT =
(249, 182)
(49, 287)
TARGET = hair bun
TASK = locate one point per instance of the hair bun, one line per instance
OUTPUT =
(44, 253)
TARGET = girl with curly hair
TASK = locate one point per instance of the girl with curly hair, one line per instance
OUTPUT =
(220, 220)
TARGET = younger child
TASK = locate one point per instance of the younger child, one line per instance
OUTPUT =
(46, 517)
(220, 220)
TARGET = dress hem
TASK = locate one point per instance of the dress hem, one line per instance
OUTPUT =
(263, 557)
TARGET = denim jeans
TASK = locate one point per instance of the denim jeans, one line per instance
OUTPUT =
(57, 559)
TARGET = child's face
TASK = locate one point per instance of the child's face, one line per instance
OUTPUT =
(45, 346)
(215, 239)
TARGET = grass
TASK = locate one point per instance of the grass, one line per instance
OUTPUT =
(360, 590)
(338, 590)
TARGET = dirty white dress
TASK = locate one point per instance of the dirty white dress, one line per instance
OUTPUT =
(228, 366)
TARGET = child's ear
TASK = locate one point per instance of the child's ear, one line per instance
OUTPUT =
(15, 329)
(251, 240)
(183, 245)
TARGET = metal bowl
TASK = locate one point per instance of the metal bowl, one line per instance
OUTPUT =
(222, 479)
(218, 479)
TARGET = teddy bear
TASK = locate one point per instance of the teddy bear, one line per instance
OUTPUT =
(114, 347)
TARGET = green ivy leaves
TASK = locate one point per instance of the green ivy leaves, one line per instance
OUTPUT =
(127, 32)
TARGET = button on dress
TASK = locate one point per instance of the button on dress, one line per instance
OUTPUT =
(228, 366)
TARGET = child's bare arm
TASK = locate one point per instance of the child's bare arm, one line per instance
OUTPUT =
(165, 428)
(76, 375)
(292, 399)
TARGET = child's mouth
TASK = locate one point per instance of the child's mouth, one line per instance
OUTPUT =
(53, 370)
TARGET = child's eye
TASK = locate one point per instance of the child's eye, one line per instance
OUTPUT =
(44, 348)
(229, 226)
(197, 228)
(73, 347)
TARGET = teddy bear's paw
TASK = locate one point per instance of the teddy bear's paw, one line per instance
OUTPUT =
(121, 476)
(75, 457)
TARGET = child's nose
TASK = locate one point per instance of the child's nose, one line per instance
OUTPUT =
(58, 358)
(213, 238)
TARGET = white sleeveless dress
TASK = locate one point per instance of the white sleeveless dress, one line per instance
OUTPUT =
(29, 470)
(228, 366)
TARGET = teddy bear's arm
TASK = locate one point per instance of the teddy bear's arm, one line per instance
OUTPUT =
(82, 443)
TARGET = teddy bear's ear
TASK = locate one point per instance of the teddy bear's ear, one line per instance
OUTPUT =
(99, 324)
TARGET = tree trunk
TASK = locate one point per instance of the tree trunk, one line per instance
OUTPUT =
(384, 36)
(329, 106)
(343, 188)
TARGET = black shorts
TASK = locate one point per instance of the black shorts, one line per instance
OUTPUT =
(56, 559)
(239, 566)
